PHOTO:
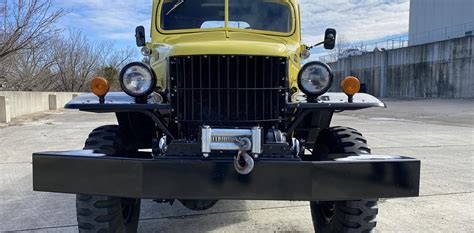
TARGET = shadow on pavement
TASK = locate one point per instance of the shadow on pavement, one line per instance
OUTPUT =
(176, 218)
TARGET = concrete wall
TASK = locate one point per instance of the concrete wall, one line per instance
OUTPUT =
(436, 20)
(437, 70)
(14, 104)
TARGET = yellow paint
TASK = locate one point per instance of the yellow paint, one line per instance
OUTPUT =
(225, 40)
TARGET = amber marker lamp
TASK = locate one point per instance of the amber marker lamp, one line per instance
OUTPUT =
(100, 87)
(351, 86)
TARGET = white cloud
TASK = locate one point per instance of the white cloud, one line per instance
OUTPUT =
(356, 20)
(106, 19)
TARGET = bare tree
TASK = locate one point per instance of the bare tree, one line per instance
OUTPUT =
(26, 23)
(31, 69)
(76, 60)
(120, 57)
(34, 57)
(64, 64)
(341, 47)
(113, 64)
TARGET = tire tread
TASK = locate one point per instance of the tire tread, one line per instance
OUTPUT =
(350, 216)
(100, 213)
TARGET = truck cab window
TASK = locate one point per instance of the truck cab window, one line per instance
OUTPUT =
(191, 14)
(265, 15)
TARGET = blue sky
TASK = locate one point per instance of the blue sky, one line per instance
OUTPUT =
(355, 20)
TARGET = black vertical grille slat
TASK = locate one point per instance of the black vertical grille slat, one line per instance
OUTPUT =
(209, 85)
(218, 80)
(270, 94)
(237, 96)
(222, 90)
(264, 84)
(191, 75)
(184, 93)
(246, 92)
(254, 92)
(228, 86)
(200, 86)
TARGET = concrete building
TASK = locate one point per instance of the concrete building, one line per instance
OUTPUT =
(437, 20)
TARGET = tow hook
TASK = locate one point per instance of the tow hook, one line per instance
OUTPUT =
(243, 163)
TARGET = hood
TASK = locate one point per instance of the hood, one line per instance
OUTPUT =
(235, 43)
(224, 43)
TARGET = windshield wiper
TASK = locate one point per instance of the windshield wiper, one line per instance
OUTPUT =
(178, 3)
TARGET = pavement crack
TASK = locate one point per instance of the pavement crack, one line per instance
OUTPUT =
(446, 194)
(433, 146)
(8, 163)
(40, 228)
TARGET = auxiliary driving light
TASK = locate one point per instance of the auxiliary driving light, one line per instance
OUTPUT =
(100, 87)
(350, 85)
(315, 78)
(137, 79)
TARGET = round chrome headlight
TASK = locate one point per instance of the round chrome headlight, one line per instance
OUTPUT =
(315, 78)
(137, 79)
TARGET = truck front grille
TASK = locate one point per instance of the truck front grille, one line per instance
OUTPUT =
(218, 89)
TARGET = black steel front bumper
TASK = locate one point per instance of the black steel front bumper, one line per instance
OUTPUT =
(349, 178)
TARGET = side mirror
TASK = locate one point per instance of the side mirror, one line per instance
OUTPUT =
(330, 38)
(140, 36)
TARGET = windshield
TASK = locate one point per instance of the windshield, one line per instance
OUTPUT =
(266, 15)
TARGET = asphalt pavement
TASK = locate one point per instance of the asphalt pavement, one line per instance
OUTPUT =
(439, 132)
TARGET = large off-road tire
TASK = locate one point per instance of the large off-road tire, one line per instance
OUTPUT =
(342, 216)
(101, 213)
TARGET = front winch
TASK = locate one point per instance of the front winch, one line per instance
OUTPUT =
(241, 140)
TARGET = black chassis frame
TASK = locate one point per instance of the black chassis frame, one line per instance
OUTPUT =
(280, 176)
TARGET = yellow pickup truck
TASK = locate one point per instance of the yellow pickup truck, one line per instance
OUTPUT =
(221, 108)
